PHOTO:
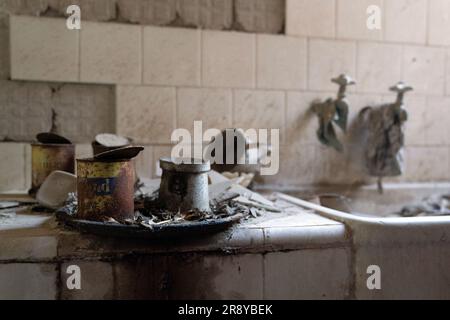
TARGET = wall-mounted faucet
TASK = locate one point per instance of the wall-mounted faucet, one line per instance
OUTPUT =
(383, 126)
(333, 111)
(400, 88)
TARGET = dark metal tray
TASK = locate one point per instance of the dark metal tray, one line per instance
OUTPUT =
(163, 231)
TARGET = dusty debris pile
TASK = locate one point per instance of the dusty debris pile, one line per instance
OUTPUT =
(227, 200)
(150, 212)
(435, 205)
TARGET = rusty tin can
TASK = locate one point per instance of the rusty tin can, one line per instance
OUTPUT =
(46, 158)
(105, 189)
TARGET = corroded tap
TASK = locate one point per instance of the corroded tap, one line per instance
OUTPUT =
(384, 136)
(400, 88)
(333, 110)
(341, 103)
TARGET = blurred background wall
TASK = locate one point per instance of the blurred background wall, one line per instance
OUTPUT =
(145, 67)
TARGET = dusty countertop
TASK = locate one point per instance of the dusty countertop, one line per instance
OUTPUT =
(31, 236)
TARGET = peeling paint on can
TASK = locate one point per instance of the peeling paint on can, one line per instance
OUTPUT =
(105, 189)
(46, 158)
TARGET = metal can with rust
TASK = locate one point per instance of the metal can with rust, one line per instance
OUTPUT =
(105, 188)
(184, 185)
(46, 158)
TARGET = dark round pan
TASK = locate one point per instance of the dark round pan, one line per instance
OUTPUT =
(163, 231)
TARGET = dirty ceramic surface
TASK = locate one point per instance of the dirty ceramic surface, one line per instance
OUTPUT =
(411, 252)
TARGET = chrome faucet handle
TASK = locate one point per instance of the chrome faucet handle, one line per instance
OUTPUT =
(400, 87)
(343, 81)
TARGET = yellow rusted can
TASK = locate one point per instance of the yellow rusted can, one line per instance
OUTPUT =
(105, 188)
(46, 158)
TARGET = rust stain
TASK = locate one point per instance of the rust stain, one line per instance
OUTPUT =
(46, 158)
(105, 189)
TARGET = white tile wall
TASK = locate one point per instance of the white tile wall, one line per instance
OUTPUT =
(373, 74)
(43, 49)
(427, 164)
(437, 120)
(328, 59)
(439, 22)
(406, 20)
(146, 114)
(258, 109)
(175, 76)
(301, 123)
(110, 53)
(171, 56)
(424, 69)
(416, 125)
(281, 62)
(211, 106)
(228, 59)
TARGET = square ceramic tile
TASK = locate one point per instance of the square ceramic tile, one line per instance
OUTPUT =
(372, 59)
(426, 164)
(211, 106)
(439, 22)
(57, 60)
(146, 114)
(424, 69)
(171, 56)
(281, 62)
(258, 109)
(111, 53)
(307, 274)
(406, 21)
(328, 59)
(228, 59)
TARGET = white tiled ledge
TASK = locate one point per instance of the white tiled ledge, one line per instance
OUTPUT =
(43, 49)
(36, 238)
(293, 256)
(245, 260)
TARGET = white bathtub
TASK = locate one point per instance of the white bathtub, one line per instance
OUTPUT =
(413, 253)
